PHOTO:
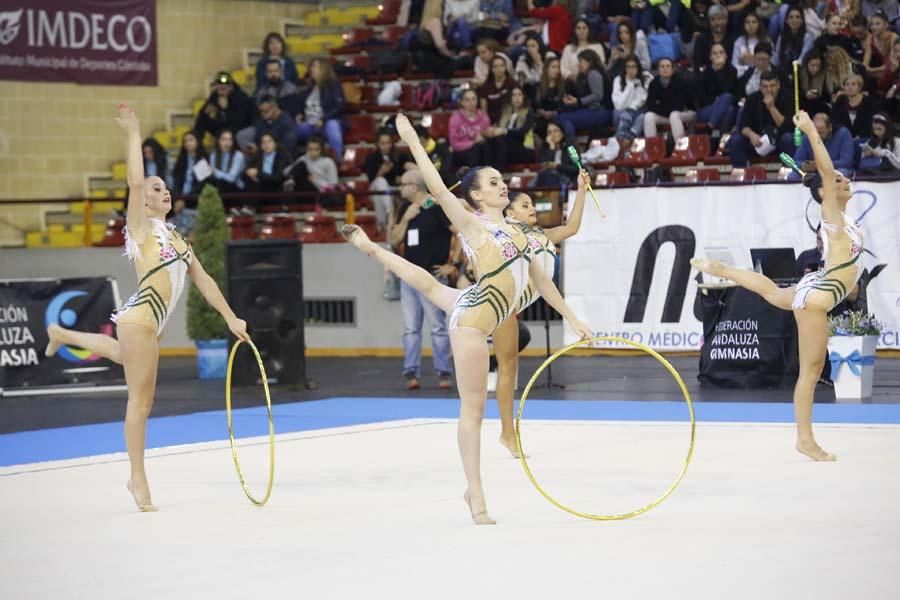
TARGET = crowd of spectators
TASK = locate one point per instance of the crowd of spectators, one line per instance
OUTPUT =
(545, 72)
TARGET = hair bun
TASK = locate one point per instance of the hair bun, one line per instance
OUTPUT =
(461, 172)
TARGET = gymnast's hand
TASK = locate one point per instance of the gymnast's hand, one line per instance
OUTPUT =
(239, 328)
(584, 181)
(406, 130)
(581, 330)
(803, 122)
(127, 119)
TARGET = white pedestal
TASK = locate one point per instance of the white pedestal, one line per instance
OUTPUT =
(849, 387)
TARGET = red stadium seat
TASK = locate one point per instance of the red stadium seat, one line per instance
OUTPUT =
(753, 173)
(361, 62)
(689, 150)
(390, 10)
(242, 227)
(114, 234)
(700, 175)
(353, 160)
(644, 152)
(613, 179)
(438, 123)
(278, 227)
(317, 229)
(367, 223)
(361, 128)
(360, 190)
(393, 33)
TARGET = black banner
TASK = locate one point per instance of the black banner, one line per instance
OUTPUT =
(747, 342)
(28, 307)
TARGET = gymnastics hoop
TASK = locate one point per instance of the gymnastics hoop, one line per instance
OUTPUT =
(234, 453)
(684, 391)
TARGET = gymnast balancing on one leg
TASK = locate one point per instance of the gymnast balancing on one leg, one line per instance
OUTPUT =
(162, 258)
(818, 292)
(506, 337)
(503, 263)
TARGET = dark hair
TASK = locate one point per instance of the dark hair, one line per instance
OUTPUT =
(592, 58)
(268, 38)
(762, 32)
(631, 58)
(763, 47)
(316, 139)
(592, 37)
(542, 48)
(513, 198)
(274, 139)
(627, 25)
(180, 170)
(384, 131)
(861, 21)
(881, 15)
(814, 182)
(468, 182)
(223, 162)
(273, 61)
(159, 156)
(267, 98)
(768, 76)
(791, 43)
(887, 140)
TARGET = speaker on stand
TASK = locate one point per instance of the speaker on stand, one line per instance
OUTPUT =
(265, 288)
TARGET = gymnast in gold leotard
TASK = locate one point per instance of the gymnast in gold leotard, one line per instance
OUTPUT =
(503, 265)
(162, 259)
(818, 292)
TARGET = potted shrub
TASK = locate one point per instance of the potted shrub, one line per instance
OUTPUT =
(851, 350)
(204, 325)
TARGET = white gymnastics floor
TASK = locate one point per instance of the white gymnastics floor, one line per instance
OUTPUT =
(375, 511)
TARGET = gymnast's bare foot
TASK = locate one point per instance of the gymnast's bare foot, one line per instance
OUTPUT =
(706, 265)
(509, 442)
(481, 517)
(140, 491)
(814, 451)
(54, 344)
(356, 236)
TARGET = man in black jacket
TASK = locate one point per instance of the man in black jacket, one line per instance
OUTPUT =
(227, 107)
(765, 126)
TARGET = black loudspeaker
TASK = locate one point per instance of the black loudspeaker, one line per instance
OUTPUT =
(265, 288)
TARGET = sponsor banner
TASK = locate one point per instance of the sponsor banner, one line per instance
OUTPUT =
(28, 307)
(93, 42)
(629, 275)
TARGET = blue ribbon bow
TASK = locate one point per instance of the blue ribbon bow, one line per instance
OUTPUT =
(854, 361)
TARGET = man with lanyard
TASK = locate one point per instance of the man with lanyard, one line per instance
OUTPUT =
(422, 236)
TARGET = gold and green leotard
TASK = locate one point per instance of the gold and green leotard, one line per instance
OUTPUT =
(826, 287)
(162, 262)
(501, 269)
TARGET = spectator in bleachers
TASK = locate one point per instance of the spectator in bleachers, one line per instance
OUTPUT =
(669, 101)
(511, 140)
(613, 13)
(191, 154)
(274, 48)
(530, 65)
(859, 38)
(793, 43)
(498, 19)
(765, 126)
(272, 120)
(276, 86)
(716, 101)
(881, 153)
(493, 93)
(322, 107)
(890, 8)
(460, 17)
(742, 54)
(838, 67)
(645, 14)
(156, 160)
(813, 97)
(718, 33)
(737, 10)
(833, 36)
(486, 51)
(227, 107)
(314, 171)
(878, 51)
(384, 169)
(628, 41)
(439, 155)
(227, 163)
(557, 167)
(890, 82)
(854, 109)
(265, 171)
(585, 105)
(548, 101)
(182, 218)
(838, 142)
(558, 20)
(815, 24)
(762, 63)
(629, 97)
(466, 129)
(582, 39)
(691, 21)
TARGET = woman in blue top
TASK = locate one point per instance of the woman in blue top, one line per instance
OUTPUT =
(227, 163)
(274, 47)
(192, 152)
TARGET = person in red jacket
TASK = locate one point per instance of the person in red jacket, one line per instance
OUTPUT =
(559, 22)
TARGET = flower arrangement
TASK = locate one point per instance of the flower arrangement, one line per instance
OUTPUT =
(854, 323)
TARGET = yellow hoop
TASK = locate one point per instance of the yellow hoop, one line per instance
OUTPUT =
(684, 391)
(237, 464)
